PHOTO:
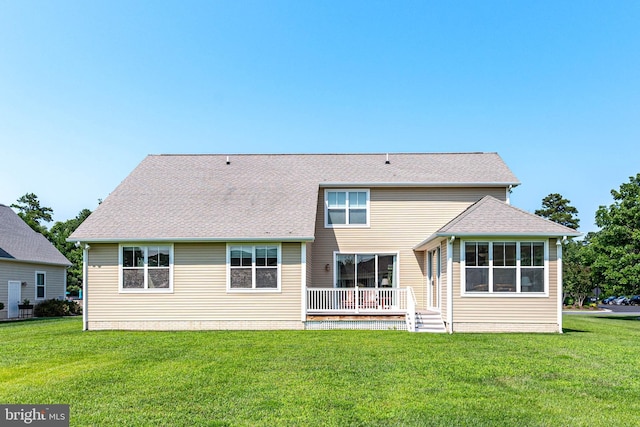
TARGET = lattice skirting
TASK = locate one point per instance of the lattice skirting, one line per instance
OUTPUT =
(373, 325)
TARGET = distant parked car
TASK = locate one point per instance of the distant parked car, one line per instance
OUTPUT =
(634, 300)
(609, 300)
(621, 301)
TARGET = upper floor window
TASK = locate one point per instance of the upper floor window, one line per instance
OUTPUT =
(146, 268)
(253, 267)
(346, 208)
(504, 267)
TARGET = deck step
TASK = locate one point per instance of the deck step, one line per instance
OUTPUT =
(428, 321)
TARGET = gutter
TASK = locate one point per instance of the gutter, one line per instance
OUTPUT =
(24, 261)
(421, 246)
(349, 184)
(560, 292)
(287, 239)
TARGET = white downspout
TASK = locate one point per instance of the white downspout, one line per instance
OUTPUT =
(559, 279)
(303, 280)
(85, 281)
(450, 283)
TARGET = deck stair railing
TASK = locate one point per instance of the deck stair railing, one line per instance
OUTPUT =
(411, 310)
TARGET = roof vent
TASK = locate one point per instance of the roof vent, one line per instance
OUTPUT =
(228, 162)
(386, 162)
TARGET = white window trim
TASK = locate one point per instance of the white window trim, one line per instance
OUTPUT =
(491, 293)
(253, 289)
(44, 273)
(145, 290)
(346, 190)
(395, 253)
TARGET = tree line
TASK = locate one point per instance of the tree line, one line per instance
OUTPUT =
(607, 259)
(35, 215)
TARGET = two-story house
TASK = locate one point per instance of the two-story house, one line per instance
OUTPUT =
(377, 241)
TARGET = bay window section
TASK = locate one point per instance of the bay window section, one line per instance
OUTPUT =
(532, 266)
(504, 267)
(477, 266)
(254, 267)
(146, 268)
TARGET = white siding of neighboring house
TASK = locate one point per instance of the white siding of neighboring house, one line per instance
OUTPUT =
(26, 272)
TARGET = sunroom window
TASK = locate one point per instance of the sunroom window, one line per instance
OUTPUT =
(504, 267)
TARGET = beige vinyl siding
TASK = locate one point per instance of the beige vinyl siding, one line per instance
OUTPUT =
(508, 311)
(199, 289)
(400, 218)
(26, 272)
(309, 263)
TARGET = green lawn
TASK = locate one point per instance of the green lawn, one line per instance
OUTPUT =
(589, 376)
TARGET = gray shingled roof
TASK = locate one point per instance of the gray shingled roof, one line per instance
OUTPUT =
(492, 217)
(200, 197)
(18, 242)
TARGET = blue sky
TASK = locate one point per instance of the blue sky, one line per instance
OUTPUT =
(88, 89)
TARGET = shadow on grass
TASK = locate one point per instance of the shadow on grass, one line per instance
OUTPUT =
(571, 331)
(618, 317)
(9, 322)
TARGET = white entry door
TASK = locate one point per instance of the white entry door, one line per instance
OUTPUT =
(14, 299)
(434, 290)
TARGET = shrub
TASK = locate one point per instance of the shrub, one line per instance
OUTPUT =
(1, 306)
(57, 308)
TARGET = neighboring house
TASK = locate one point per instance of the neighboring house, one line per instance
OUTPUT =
(404, 241)
(30, 266)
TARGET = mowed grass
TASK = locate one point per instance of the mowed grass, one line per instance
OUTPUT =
(589, 376)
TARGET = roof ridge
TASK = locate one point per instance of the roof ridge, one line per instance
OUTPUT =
(382, 153)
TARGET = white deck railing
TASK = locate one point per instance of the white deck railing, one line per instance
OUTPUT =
(356, 300)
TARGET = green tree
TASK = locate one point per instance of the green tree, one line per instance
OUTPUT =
(617, 245)
(32, 213)
(58, 236)
(576, 270)
(557, 209)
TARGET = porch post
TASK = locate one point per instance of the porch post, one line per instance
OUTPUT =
(303, 280)
(450, 283)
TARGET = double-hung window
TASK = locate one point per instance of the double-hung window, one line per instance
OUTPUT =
(146, 268)
(253, 267)
(41, 283)
(504, 267)
(346, 208)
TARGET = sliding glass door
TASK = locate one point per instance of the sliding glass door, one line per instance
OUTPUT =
(365, 270)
